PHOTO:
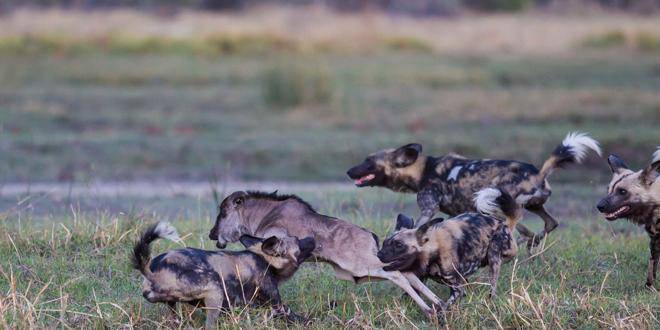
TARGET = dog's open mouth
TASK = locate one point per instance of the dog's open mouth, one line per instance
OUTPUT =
(401, 263)
(618, 213)
(365, 179)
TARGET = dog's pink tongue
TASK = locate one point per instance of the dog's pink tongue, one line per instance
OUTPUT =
(364, 178)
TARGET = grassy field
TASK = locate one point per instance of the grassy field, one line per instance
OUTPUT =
(73, 271)
(300, 97)
(296, 117)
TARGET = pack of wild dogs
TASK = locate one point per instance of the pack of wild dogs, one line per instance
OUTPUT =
(484, 199)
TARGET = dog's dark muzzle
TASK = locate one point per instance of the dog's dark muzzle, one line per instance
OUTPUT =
(602, 205)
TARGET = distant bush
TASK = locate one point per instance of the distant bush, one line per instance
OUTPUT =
(647, 42)
(242, 44)
(288, 85)
(498, 5)
(611, 39)
(127, 44)
(407, 44)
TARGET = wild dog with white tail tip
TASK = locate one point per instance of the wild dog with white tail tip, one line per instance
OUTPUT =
(448, 251)
(636, 197)
(447, 183)
(219, 280)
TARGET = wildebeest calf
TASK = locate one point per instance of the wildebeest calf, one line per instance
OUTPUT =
(448, 251)
(636, 196)
(219, 280)
(351, 250)
(447, 183)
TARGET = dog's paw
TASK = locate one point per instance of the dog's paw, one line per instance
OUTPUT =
(534, 241)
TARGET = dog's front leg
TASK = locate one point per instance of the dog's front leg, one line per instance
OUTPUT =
(278, 309)
(429, 203)
(212, 305)
(653, 261)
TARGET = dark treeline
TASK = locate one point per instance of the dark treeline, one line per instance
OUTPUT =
(413, 7)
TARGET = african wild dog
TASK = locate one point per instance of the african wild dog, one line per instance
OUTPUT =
(447, 183)
(448, 251)
(219, 280)
(636, 196)
(351, 250)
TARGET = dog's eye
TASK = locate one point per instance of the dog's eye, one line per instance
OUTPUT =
(370, 163)
(622, 191)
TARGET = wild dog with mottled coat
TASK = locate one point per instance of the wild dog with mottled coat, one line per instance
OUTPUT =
(636, 197)
(447, 183)
(449, 251)
(219, 280)
(351, 250)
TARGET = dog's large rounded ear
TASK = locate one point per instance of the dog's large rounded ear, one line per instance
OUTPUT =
(616, 164)
(404, 222)
(249, 240)
(422, 237)
(270, 246)
(407, 155)
(650, 173)
(422, 231)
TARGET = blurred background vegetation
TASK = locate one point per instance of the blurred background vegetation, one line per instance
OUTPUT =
(158, 90)
(416, 7)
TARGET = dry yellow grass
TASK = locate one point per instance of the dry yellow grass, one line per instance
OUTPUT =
(314, 28)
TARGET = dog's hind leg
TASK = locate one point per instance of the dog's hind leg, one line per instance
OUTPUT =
(550, 224)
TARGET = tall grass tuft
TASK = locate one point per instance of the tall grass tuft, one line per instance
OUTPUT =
(647, 42)
(611, 39)
(290, 85)
(411, 44)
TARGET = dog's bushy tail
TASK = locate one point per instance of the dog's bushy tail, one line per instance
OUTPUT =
(141, 257)
(498, 204)
(572, 149)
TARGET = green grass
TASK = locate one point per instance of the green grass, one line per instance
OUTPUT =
(121, 117)
(73, 271)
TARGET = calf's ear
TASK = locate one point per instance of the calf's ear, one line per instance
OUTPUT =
(616, 164)
(403, 222)
(249, 240)
(270, 246)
